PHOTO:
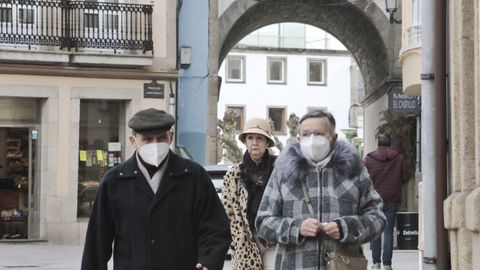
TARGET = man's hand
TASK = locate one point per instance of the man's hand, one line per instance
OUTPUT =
(201, 267)
(331, 229)
(310, 227)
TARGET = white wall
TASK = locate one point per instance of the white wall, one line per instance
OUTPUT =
(372, 113)
(296, 95)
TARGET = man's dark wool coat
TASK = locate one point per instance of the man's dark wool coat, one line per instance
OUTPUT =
(181, 225)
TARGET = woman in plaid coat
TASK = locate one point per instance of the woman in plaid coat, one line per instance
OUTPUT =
(348, 211)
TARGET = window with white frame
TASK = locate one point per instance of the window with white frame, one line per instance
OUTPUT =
(278, 117)
(17, 19)
(5, 14)
(26, 15)
(317, 71)
(104, 23)
(239, 111)
(276, 70)
(235, 69)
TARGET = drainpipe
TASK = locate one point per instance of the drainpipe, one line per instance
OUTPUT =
(177, 66)
(434, 142)
(441, 141)
(428, 128)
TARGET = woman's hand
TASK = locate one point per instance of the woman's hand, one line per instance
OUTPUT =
(331, 229)
(310, 227)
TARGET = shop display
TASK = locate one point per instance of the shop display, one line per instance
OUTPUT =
(92, 166)
(14, 186)
(101, 123)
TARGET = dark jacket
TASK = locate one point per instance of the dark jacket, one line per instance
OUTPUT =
(182, 224)
(388, 172)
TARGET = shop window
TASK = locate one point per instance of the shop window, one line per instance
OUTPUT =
(101, 147)
(278, 116)
(235, 69)
(14, 182)
(19, 120)
(317, 72)
(239, 116)
(276, 70)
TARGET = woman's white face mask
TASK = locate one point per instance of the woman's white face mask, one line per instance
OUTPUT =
(315, 147)
(154, 153)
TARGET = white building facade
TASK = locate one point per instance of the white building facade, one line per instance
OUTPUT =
(273, 76)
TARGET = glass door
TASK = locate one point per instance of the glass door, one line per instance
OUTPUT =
(14, 183)
(18, 187)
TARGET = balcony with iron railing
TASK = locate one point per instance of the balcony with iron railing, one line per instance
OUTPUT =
(415, 35)
(76, 31)
(413, 39)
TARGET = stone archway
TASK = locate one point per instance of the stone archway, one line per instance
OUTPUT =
(360, 25)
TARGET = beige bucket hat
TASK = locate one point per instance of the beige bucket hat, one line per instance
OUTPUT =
(258, 126)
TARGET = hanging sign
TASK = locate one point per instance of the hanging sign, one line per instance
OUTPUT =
(153, 90)
(398, 102)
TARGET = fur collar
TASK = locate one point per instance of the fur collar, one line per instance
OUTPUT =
(292, 165)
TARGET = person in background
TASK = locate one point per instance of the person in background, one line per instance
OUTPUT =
(160, 211)
(242, 191)
(388, 171)
(347, 211)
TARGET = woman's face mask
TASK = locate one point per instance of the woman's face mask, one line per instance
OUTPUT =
(315, 147)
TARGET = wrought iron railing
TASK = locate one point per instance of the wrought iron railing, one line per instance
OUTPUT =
(76, 24)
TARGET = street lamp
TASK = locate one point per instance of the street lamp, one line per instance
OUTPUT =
(391, 7)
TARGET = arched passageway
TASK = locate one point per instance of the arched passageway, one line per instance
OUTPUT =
(361, 26)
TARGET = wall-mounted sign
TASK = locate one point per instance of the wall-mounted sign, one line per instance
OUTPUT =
(114, 147)
(153, 90)
(398, 102)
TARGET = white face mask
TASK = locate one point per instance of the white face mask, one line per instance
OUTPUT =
(315, 148)
(154, 153)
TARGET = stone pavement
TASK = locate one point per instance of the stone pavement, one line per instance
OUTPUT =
(44, 256)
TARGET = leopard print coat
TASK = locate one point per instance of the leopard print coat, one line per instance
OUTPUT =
(245, 252)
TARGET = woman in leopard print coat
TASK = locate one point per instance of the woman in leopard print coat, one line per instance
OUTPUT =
(242, 192)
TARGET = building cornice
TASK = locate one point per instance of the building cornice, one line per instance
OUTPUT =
(88, 72)
(296, 51)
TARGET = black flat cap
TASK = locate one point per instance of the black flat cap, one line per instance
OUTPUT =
(151, 121)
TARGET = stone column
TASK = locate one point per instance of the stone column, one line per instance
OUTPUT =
(462, 207)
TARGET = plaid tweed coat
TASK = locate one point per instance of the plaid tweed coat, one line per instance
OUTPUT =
(342, 190)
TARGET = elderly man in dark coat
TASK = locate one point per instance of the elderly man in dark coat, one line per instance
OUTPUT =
(159, 210)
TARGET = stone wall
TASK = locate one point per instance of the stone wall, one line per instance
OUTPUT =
(462, 207)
